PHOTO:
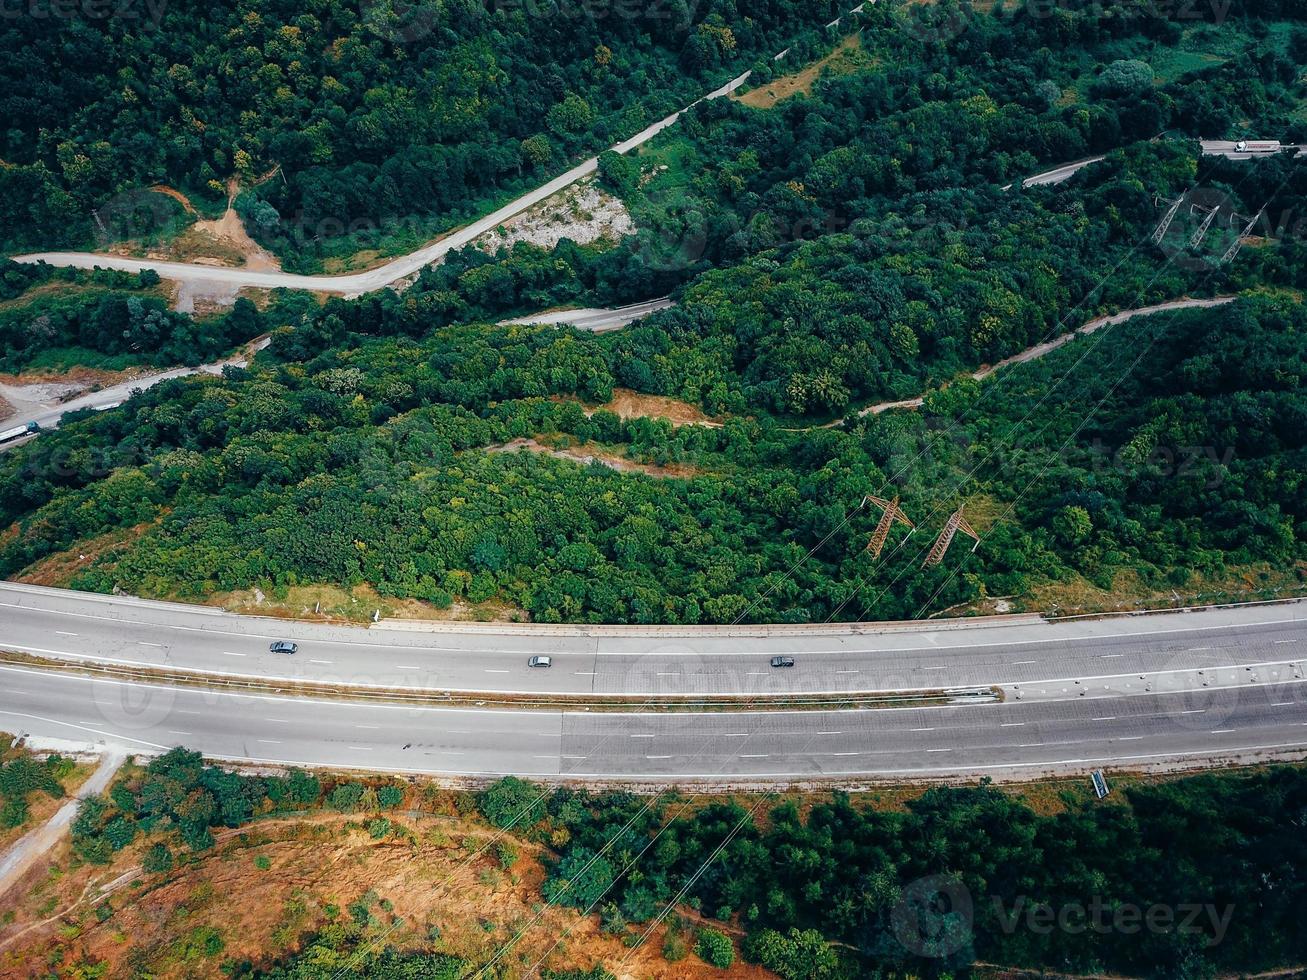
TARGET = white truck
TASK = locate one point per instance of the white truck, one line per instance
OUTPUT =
(18, 432)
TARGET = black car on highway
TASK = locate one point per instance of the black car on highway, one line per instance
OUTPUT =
(282, 646)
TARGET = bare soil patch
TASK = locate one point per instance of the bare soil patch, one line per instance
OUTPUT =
(294, 877)
(59, 569)
(843, 60)
(604, 457)
(628, 404)
(331, 602)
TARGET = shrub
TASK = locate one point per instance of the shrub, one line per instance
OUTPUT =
(346, 797)
(506, 854)
(508, 803)
(158, 859)
(674, 946)
(715, 948)
(13, 813)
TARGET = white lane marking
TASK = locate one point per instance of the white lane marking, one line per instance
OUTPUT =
(647, 757)
(367, 726)
(939, 750)
(64, 633)
(1223, 731)
(584, 673)
(843, 753)
(174, 732)
(921, 729)
(669, 673)
(268, 741)
(1110, 656)
(228, 653)
(321, 661)
(1104, 718)
(739, 735)
(641, 736)
(145, 644)
(1013, 724)
(1278, 642)
(1022, 663)
(940, 667)
(1197, 649)
(495, 670)
(1193, 711)
(359, 748)
(830, 733)
(118, 621)
(753, 757)
(846, 671)
(1283, 704)
(757, 673)
(1129, 738)
(406, 667)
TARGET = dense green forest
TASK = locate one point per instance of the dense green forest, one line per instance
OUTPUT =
(842, 873)
(110, 320)
(367, 465)
(846, 247)
(822, 892)
(378, 118)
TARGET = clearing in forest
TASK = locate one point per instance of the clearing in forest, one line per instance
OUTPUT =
(843, 60)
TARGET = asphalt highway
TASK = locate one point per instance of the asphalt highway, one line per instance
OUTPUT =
(645, 661)
(1071, 733)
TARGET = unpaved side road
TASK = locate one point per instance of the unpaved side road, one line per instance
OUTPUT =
(31, 846)
(1039, 350)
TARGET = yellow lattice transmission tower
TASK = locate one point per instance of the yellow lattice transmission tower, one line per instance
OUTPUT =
(891, 512)
(956, 523)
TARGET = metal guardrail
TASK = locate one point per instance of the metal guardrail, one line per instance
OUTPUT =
(463, 699)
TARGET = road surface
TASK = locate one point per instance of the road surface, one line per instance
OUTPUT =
(1222, 148)
(49, 415)
(596, 320)
(358, 283)
(1039, 350)
(645, 661)
(1014, 738)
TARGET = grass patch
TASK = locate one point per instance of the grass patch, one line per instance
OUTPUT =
(847, 58)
